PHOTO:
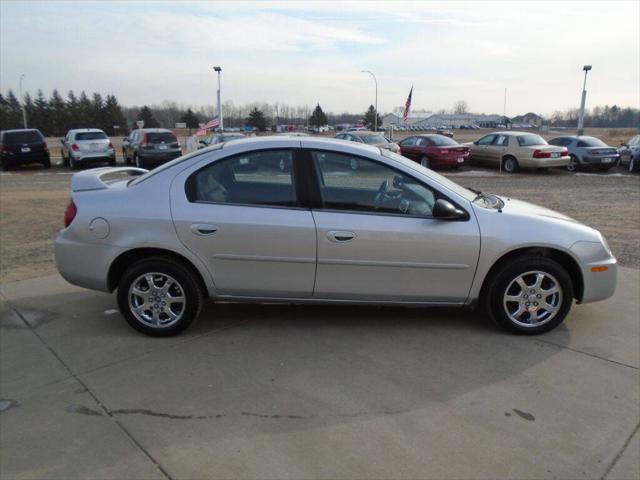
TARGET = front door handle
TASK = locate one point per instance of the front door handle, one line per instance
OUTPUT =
(203, 229)
(340, 236)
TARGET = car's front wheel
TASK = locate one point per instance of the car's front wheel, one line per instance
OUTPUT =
(159, 296)
(529, 295)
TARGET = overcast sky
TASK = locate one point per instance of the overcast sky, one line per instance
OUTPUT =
(304, 53)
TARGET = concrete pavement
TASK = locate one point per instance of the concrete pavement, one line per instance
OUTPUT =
(272, 391)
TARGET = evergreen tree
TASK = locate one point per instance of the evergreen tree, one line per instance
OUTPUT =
(98, 117)
(73, 110)
(114, 116)
(41, 118)
(27, 103)
(58, 111)
(146, 115)
(318, 117)
(256, 119)
(191, 119)
(11, 116)
(85, 111)
(370, 116)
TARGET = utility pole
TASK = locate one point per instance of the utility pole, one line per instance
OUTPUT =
(24, 110)
(219, 70)
(583, 102)
(375, 118)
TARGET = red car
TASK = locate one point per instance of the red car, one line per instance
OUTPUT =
(434, 151)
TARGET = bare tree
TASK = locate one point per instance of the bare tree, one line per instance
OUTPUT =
(461, 107)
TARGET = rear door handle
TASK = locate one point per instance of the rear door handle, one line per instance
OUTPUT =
(340, 236)
(203, 229)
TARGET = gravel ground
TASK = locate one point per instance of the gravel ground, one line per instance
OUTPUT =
(32, 204)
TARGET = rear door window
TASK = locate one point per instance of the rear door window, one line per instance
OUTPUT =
(252, 178)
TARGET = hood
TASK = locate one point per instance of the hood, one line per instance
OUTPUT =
(518, 207)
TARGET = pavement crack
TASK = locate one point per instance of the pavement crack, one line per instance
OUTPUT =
(619, 454)
(565, 347)
(93, 395)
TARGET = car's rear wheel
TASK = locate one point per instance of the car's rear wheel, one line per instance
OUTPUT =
(510, 164)
(634, 165)
(424, 161)
(529, 295)
(574, 164)
(46, 163)
(65, 160)
(159, 296)
(5, 166)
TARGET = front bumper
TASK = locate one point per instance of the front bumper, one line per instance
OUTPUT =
(599, 271)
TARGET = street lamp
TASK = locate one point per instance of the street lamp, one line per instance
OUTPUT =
(24, 111)
(586, 69)
(219, 70)
(375, 118)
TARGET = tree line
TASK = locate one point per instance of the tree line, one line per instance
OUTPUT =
(599, 116)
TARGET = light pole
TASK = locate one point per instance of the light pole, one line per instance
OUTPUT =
(586, 69)
(219, 70)
(24, 111)
(375, 118)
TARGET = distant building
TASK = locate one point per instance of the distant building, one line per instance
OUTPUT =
(430, 119)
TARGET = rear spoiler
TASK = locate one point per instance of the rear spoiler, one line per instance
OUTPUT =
(92, 179)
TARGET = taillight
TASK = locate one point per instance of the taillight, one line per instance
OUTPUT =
(70, 213)
(75, 147)
(541, 154)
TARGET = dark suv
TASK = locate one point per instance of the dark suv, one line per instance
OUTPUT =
(150, 147)
(20, 147)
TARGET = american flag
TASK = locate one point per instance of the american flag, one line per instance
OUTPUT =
(407, 106)
(210, 125)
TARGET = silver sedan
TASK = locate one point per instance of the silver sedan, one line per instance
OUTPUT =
(224, 222)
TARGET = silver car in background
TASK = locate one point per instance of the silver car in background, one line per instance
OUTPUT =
(375, 139)
(84, 146)
(587, 152)
(394, 232)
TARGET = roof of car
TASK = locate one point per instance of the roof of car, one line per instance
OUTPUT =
(155, 130)
(364, 133)
(512, 132)
(75, 130)
(297, 142)
(13, 130)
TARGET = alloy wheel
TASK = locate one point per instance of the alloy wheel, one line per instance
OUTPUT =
(156, 300)
(533, 299)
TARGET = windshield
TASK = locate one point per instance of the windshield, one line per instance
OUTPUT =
(592, 142)
(166, 137)
(28, 136)
(91, 136)
(442, 141)
(531, 140)
(444, 181)
(373, 139)
(173, 162)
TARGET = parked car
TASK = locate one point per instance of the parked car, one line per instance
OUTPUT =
(22, 147)
(630, 154)
(395, 233)
(219, 138)
(445, 132)
(434, 151)
(513, 150)
(150, 147)
(587, 152)
(367, 137)
(84, 146)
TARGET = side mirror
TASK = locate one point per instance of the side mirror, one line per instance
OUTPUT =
(444, 210)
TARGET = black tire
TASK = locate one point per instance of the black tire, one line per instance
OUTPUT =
(501, 283)
(634, 165)
(510, 164)
(183, 276)
(5, 166)
(47, 163)
(65, 161)
(73, 164)
(456, 167)
(425, 162)
(574, 164)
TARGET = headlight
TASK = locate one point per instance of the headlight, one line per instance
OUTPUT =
(606, 244)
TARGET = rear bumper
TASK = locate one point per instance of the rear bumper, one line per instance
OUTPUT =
(544, 162)
(25, 159)
(158, 159)
(600, 160)
(95, 157)
(450, 161)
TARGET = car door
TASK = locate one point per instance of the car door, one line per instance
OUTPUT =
(377, 240)
(497, 149)
(408, 148)
(479, 150)
(241, 216)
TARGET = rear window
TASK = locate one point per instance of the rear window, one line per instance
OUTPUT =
(373, 139)
(91, 136)
(531, 140)
(591, 142)
(165, 137)
(28, 136)
(442, 141)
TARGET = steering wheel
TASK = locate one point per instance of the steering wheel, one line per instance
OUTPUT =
(381, 196)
